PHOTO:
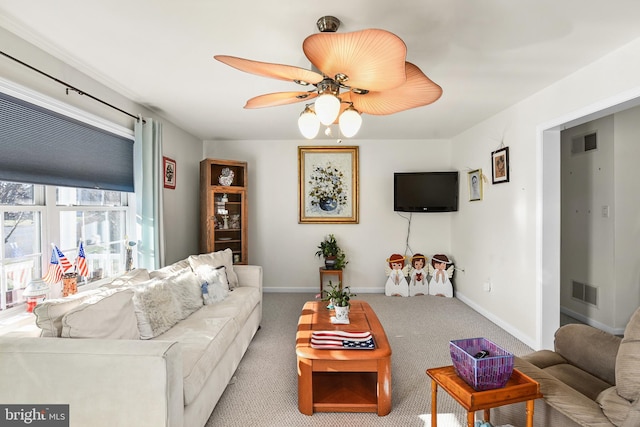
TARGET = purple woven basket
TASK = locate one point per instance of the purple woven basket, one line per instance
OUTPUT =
(492, 371)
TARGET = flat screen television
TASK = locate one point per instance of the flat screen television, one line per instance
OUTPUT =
(425, 191)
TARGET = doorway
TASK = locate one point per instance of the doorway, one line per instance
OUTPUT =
(548, 229)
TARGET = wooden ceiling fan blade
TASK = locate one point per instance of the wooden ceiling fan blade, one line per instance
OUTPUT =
(417, 91)
(275, 71)
(279, 98)
(372, 59)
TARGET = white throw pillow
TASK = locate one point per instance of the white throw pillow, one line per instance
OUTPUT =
(215, 278)
(217, 259)
(185, 286)
(107, 315)
(156, 308)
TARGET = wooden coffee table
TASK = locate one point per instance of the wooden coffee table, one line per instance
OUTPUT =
(519, 388)
(349, 380)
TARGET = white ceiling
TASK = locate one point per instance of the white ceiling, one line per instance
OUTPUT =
(486, 54)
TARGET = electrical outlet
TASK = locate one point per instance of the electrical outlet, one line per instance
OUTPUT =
(487, 286)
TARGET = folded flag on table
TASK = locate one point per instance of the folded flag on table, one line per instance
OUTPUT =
(342, 340)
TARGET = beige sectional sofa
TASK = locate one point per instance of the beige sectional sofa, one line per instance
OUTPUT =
(149, 349)
(592, 379)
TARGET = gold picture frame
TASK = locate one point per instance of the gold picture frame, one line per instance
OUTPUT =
(475, 185)
(328, 185)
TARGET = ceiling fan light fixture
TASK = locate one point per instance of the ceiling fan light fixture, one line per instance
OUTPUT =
(308, 123)
(327, 108)
(350, 122)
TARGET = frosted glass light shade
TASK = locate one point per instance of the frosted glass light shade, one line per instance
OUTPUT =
(350, 122)
(308, 123)
(327, 108)
(35, 288)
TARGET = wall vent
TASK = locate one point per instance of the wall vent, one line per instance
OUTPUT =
(585, 293)
(584, 143)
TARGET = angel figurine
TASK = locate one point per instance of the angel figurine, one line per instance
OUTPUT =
(440, 285)
(418, 282)
(396, 269)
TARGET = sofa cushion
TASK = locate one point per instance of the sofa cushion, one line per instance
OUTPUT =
(560, 396)
(203, 340)
(156, 308)
(613, 406)
(217, 259)
(628, 360)
(109, 315)
(578, 379)
(49, 313)
(237, 306)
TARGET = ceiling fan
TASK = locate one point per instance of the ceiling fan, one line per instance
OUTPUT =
(359, 72)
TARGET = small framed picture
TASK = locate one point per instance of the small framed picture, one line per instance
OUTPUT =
(475, 185)
(500, 166)
(169, 168)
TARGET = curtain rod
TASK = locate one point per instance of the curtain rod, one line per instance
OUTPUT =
(73, 88)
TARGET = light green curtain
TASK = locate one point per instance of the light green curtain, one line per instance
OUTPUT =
(148, 184)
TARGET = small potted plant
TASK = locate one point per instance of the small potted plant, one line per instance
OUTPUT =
(337, 296)
(339, 299)
(334, 256)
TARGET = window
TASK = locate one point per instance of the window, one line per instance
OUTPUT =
(34, 216)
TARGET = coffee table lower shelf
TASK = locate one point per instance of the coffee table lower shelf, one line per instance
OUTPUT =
(345, 392)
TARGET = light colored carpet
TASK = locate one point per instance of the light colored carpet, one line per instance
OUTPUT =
(263, 391)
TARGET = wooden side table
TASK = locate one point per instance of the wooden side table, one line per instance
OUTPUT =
(326, 272)
(519, 388)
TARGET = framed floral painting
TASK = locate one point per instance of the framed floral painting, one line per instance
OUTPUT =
(328, 184)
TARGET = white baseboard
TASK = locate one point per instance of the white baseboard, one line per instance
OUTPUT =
(274, 289)
(531, 342)
(591, 322)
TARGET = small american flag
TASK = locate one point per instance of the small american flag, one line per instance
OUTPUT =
(341, 340)
(54, 272)
(64, 262)
(81, 262)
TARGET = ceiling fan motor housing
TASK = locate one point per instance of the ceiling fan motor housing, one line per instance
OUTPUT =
(328, 24)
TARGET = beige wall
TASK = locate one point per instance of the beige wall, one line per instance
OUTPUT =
(286, 249)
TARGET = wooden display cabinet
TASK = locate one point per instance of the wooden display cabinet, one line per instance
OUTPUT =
(223, 208)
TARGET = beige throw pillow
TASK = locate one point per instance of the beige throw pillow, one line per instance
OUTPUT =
(170, 269)
(107, 315)
(217, 259)
(49, 313)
